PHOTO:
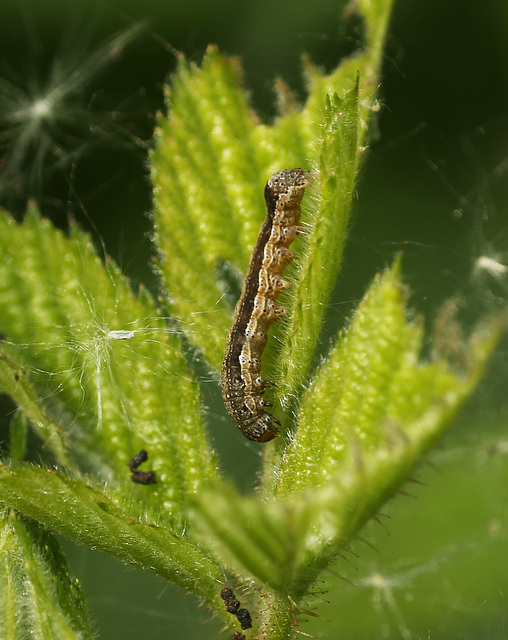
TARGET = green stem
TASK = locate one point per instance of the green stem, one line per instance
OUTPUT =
(278, 616)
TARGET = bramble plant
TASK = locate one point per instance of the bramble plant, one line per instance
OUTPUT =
(100, 373)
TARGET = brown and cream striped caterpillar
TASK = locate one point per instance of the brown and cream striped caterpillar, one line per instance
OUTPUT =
(257, 310)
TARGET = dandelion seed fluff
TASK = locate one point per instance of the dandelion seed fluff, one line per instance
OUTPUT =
(41, 108)
(490, 266)
(120, 334)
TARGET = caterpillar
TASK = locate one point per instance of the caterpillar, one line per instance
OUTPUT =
(257, 309)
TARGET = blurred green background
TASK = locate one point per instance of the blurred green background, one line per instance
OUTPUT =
(77, 110)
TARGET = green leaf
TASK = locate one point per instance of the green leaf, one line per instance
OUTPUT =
(40, 599)
(110, 524)
(373, 390)
(208, 194)
(84, 356)
(320, 259)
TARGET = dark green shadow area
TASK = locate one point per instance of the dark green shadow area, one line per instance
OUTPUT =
(127, 603)
(438, 569)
